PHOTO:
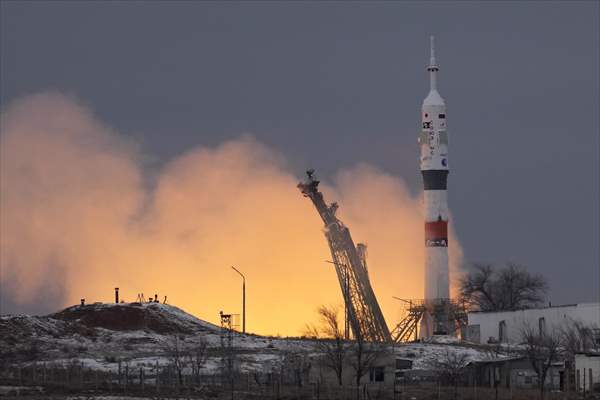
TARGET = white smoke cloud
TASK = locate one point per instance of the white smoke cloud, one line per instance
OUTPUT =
(74, 214)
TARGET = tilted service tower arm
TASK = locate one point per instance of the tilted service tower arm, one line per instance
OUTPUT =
(364, 314)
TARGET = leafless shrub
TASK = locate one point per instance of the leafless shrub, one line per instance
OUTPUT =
(363, 355)
(330, 340)
(295, 367)
(197, 357)
(110, 358)
(173, 350)
(577, 337)
(541, 349)
(450, 368)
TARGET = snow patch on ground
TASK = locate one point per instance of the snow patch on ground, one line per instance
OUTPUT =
(424, 355)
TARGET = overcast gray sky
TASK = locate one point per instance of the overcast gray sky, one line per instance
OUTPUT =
(333, 84)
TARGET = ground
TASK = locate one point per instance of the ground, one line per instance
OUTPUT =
(107, 348)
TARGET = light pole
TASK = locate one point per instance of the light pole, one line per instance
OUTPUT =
(243, 299)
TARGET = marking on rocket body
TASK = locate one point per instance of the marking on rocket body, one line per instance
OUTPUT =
(436, 242)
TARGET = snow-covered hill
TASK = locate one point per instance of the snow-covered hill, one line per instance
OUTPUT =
(100, 334)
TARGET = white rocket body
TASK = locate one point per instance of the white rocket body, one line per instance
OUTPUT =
(433, 141)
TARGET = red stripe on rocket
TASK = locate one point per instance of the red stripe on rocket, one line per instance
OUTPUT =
(436, 230)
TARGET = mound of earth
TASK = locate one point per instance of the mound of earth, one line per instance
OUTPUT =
(100, 331)
(153, 317)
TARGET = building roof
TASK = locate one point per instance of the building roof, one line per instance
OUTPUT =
(497, 360)
(589, 353)
(534, 308)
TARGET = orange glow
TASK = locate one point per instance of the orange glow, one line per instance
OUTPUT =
(77, 210)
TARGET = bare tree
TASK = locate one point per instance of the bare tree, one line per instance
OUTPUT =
(477, 289)
(542, 349)
(295, 366)
(511, 287)
(450, 368)
(576, 337)
(173, 350)
(363, 355)
(330, 340)
(197, 357)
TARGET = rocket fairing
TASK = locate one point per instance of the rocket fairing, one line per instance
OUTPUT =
(433, 141)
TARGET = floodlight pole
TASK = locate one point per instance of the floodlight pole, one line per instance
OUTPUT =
(243, 299)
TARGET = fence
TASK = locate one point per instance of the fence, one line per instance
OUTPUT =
(165, 382)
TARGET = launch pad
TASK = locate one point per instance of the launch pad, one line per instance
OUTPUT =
(418, 315)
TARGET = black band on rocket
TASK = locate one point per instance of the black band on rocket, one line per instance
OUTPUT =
(435, 179)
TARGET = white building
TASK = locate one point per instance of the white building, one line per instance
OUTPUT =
(587, 372)
(507, 326)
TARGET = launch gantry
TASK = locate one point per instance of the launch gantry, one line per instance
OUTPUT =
(364, 315)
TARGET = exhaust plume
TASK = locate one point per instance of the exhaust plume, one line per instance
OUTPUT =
(78, 219)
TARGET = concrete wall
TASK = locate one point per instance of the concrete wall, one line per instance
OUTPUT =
(486, 325)
(583, 365)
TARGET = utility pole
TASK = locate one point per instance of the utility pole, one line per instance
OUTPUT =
(243, 299)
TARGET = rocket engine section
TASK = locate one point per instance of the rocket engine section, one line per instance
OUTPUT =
(433, 141)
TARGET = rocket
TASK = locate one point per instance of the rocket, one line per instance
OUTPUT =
(433, 142)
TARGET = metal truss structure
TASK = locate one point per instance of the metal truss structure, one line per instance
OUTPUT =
(228, 327)
(418, 310)
(407, 328)
(364, 315)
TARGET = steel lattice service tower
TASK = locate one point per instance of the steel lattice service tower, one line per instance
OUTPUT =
(433, 141)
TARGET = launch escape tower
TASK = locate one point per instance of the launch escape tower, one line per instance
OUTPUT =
(364, 315)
